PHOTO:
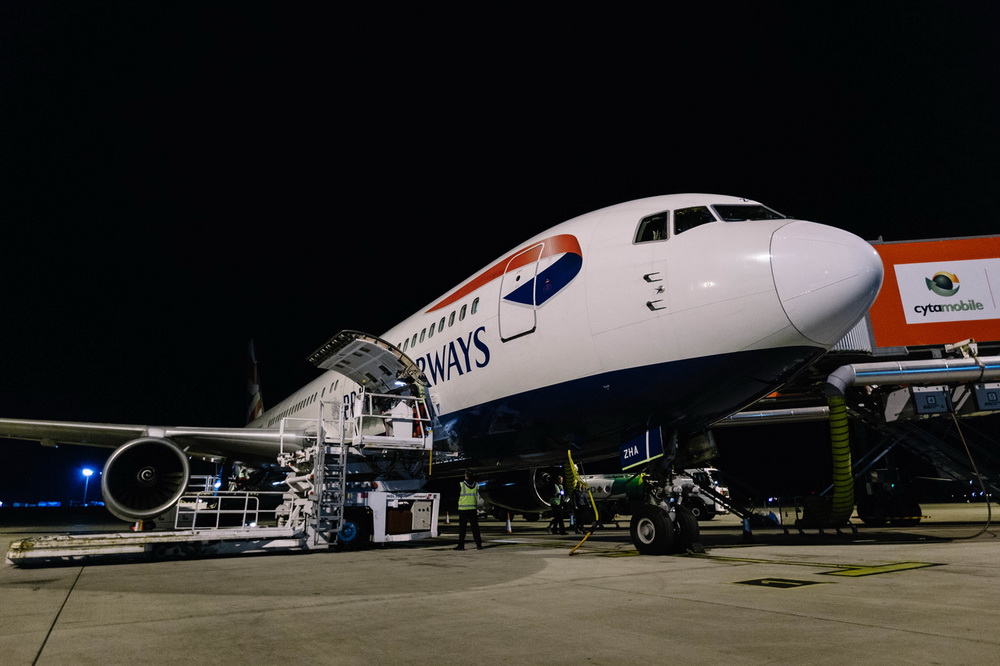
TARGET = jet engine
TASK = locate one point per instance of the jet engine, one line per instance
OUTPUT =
(527, 491)
(523, 491)
(144, 478)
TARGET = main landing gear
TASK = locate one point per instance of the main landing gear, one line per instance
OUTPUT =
(656, 530)
(661, 523)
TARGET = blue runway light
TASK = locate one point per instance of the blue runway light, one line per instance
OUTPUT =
(87, 473)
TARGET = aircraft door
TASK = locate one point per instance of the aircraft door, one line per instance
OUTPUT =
(518, 299)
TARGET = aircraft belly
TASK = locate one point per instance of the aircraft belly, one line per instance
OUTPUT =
(594, 414)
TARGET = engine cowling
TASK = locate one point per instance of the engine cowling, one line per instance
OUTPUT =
(528, 491)
(143, 478)
(523, 491)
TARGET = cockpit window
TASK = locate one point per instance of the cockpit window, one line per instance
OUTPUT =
(689, 218)
(653, 228)
(741, 212)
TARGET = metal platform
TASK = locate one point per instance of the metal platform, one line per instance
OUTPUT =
(130, 546)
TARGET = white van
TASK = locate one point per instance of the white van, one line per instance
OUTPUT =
(703, 505)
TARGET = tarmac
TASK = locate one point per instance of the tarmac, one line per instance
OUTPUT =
(903, 595)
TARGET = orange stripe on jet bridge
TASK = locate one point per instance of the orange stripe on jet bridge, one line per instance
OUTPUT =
(551, 246)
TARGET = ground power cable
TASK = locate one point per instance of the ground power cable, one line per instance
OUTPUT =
(979, 478)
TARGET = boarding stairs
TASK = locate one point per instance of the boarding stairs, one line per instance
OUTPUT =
(317, 477)
(316, 480)
(726, 501)
(956, 457)
(938, 442)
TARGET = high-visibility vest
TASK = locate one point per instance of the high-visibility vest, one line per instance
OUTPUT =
(558, 494)
(468, 498)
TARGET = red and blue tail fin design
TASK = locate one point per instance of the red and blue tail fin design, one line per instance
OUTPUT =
(256, 407)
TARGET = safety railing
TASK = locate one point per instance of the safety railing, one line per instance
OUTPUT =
(227, 510)
(328, 426)
(202, 483)
(392, 421)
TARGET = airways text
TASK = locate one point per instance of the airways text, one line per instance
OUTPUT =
(460, 356)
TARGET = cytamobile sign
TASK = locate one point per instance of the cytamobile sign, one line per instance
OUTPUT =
(940, 291)
(967, 290)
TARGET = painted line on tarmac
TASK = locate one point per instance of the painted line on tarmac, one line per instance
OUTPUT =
(857, 571)
(590, 549)
(618, 553)
(849, 570)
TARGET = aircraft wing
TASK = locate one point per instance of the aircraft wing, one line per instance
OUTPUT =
(241, 443)
(358, 356)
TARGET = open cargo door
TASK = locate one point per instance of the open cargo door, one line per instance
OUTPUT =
(368, 360)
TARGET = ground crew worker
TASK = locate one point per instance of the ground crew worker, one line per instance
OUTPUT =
(556, 525)
(468, 511)
(580, 506)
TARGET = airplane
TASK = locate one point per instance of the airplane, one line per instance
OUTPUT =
(627, 331)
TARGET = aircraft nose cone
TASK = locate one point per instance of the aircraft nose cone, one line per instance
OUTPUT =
(826, 278)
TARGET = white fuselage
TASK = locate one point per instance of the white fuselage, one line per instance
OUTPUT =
(591, 330)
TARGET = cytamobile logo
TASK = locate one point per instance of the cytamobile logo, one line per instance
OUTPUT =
(946, 284)
(943, 283)
(942, 297)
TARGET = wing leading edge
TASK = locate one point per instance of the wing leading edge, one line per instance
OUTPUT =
(241, 443)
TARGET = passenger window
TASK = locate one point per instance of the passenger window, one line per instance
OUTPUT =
(413, 341)
(653, 228)
(689, 218)
(423, 334)
(441, 325)
(430, 331)
(461, 314)
(451, 319)
(475, 306)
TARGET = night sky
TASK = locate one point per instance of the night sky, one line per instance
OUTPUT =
(178, 180)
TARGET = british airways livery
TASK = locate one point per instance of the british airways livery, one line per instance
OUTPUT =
(668, 312)
(647, 320)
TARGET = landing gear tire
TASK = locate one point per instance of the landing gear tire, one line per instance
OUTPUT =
(688, 535)
(700, 510)
(909, 515)
(872, 512)
(652, 530)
